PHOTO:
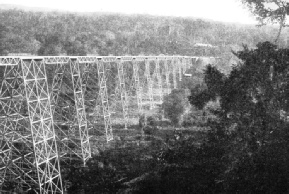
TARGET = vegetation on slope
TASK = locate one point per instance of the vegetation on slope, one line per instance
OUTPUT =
(57, 33)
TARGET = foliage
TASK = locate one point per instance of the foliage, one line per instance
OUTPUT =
(201, 94)
(196, 78)
(187, 168)
(198, 118)
(149, 121)
(148, 124)
(114, 34)
(272, 11)
(263, 170)
(251, 117)
(3, 31)
(268, 10)
(174, 105)
(113, 168)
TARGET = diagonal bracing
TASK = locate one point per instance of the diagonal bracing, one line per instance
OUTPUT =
(80, 117)
(16, 152)
(42, 127)
(123, 93)
(104, 99)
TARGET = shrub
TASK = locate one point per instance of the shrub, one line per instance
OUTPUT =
(174, 105)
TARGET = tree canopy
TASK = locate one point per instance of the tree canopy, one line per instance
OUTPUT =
(269, 11)
(174, 105)
(56, 33)
(253, 117)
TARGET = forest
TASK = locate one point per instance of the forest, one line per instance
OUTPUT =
(60, 33)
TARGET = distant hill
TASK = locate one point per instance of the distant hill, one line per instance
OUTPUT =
(43, 9)
(42, 31)
(27, 8)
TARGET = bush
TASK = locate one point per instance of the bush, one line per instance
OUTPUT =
(148, 124)
(174, 105)
(114, 168)
(188, 168)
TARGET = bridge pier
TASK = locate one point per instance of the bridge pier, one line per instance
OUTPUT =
(123, 93)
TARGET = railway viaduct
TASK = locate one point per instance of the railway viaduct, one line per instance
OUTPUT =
(50, 108)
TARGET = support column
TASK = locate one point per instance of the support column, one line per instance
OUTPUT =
(42, 127)
(123, 94)
(159, 80)
(6, 127)
(56, 85)
(86, 67)
(174, 72)
(149, 83)
(179, 66)
(16, 148)
(168, 83)
(138, 87)
(184, 65)
(64, 110)
(80, 109)
(104, 100)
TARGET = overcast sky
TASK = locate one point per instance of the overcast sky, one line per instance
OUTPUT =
(219, 10)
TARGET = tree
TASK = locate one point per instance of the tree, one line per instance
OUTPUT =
(269, 11)
(75, 48)
(174, 105)
(51, 45)
(72, 34)
(253, 118)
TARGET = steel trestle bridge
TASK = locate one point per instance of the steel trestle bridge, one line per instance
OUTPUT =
(52, 107)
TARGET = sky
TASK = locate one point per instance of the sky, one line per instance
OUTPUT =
(219, 10)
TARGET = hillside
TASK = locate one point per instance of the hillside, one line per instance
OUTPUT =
(26, 8)
(66, 33)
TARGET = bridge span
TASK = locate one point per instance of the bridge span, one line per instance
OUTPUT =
(51, 107)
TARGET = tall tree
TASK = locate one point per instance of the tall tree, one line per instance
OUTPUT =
(269, 11)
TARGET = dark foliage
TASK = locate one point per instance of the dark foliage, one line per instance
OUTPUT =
(252, 117)
(174, 105)
(113, 169)
(187, 168)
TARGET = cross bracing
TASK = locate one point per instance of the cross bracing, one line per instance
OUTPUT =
(53, 108)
